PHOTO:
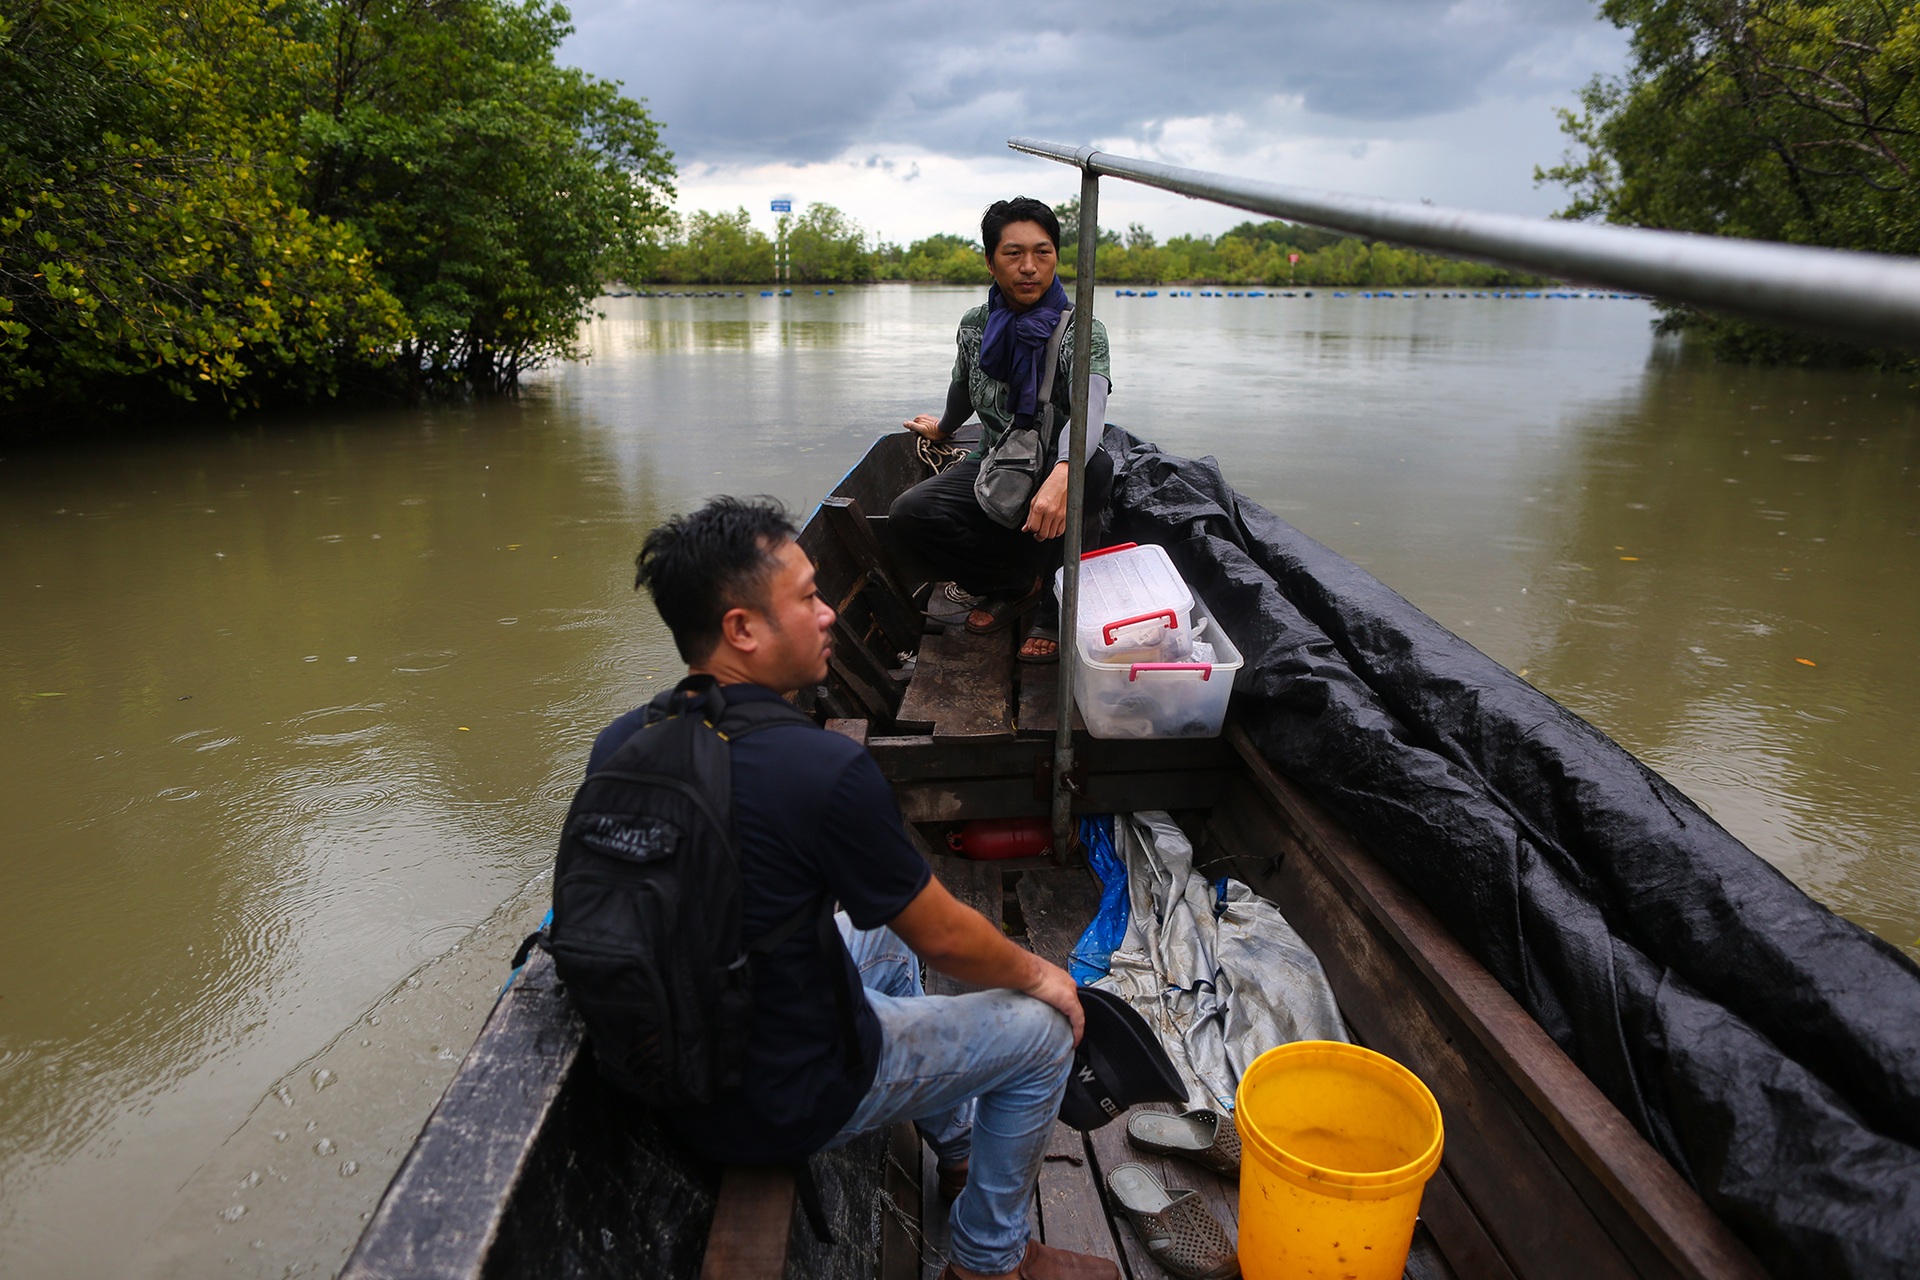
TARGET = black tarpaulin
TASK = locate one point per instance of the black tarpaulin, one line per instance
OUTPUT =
(1768, 1048)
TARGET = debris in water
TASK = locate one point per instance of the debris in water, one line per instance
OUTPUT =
(322, 1078)
(1806, 662)
(348, 1168)
(285, 1095)
(324, 1147)
(233, 1213)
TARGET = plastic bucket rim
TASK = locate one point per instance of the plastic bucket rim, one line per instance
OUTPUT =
(1381, 1184)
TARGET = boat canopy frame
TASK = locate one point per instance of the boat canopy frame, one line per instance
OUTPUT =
(1870, 298)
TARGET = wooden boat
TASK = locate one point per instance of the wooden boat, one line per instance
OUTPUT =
(529, 1167)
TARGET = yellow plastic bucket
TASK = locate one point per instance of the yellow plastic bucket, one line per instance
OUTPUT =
(1337, 1144)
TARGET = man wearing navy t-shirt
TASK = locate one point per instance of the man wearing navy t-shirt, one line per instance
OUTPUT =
(980, 1074)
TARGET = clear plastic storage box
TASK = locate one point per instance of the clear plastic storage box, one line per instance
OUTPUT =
(1134, 606)
(1152, 699)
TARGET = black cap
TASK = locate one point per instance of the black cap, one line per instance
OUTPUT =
(1119, 1064)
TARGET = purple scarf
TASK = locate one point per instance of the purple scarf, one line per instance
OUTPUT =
(1014, 348)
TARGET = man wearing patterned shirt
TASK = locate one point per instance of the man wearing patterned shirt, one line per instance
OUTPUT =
(1001, 346)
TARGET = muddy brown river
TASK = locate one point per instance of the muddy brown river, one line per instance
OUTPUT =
(291, 711)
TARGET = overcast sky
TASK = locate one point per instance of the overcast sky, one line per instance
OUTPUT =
(898, 111)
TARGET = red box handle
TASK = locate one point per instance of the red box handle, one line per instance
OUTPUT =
(1107, 551)
(1204, 668)
(1173, 622)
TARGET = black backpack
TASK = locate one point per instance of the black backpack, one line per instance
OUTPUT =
(646, 903)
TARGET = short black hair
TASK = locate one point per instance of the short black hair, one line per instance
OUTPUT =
(697, 567)
(1018, 209)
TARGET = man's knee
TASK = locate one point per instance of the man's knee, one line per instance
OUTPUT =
(912, 509)
(1042, 1030)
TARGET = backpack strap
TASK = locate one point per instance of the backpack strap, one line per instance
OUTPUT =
(1047, 426)
(831, 945)
(809, 1192)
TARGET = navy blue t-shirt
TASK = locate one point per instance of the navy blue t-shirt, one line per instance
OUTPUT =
(812, 814)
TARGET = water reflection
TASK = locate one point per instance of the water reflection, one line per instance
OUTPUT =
(1730, 594)
(273, 742)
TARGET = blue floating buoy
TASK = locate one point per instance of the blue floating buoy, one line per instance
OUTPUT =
(766, 293)
(1338, 294)
(829, 293)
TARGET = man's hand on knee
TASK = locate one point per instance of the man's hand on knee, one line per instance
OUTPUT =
(1052, 985)
(962, 943)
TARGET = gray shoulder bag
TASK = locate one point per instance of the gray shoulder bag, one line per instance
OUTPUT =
(1010, 472)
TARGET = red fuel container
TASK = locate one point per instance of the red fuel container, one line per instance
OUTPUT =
(990, 839)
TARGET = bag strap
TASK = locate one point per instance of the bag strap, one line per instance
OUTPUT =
(833, 948)
(1046, 378)
(775, 938)
(809, 1192)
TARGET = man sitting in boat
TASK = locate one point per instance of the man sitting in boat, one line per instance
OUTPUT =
(981, 1074)
(997, 374)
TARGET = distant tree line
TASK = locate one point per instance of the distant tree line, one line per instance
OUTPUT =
(827, 247)
(229, 203)
(1768, 119)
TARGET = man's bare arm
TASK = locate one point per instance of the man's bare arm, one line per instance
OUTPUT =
(962, 943)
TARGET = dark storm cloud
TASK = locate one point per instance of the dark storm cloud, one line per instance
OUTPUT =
(803, 80)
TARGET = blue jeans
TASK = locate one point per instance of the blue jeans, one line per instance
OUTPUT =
(981, 1076)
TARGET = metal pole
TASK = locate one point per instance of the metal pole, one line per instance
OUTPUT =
(1076, 455)
(1865, 297)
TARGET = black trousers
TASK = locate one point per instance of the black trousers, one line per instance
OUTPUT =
(942, 522)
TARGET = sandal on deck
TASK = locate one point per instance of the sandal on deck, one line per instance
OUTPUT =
(1204, 1137)
(950, 601)
(1000, 610)
(1180, 1232)
(1051, 635)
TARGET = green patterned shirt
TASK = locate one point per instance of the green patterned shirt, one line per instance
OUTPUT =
(990, 397)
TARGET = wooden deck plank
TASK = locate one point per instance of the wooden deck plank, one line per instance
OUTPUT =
(904, 757)
(1073, 1213)
(752, 1221)
(933, 1219)
(978, 885)
(1057, 904)
(1445, 1216)
(958, 799)
(1107, 1146)
(962, 687)
(1425, 1261)
(855, 729)
(899, 1245)
(1039, 702)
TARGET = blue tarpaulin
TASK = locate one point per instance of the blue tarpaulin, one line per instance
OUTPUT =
(1110, 922)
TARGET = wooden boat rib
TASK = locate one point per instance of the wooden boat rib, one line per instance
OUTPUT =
(531, 1167)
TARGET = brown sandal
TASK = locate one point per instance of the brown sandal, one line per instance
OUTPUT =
(1175, 1224)
(1051, 635)
(1001, 610)
(1204, 1137)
